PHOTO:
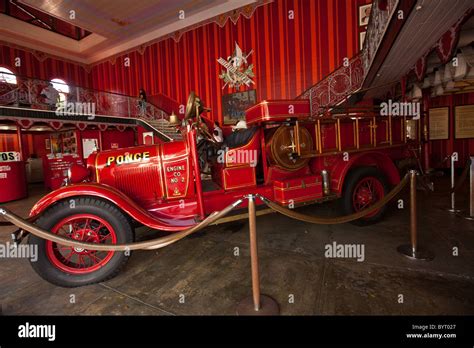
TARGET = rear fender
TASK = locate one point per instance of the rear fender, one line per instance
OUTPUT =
(375, 159)
(110, 194)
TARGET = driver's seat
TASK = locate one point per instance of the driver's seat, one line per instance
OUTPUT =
(239, 167)
(240, 138)
(247, 143)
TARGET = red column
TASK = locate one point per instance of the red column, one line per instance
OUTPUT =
(20, 144)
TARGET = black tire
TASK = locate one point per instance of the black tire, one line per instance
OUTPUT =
(353, 178)
(82, 205)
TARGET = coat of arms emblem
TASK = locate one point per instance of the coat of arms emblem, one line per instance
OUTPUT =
(238, 72)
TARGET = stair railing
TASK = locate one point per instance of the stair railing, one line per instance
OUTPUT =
(340, 84)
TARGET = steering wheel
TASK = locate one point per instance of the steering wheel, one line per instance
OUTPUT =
(190, 106)
(203, 131)
(193, 103)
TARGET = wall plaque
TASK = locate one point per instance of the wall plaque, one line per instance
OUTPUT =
(439, 123)
(464, 121)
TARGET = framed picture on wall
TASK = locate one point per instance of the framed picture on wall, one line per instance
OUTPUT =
(47, 144)
(235, 104)
(439, 123)
(56, 143)
(364, 14)
(464, 122)
(362, 39)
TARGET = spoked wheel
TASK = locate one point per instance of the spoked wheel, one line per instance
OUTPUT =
(364, 187)
(87, 220)
(85, 228)
(368, 191)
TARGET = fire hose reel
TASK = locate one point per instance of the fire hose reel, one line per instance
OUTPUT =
(282, 147)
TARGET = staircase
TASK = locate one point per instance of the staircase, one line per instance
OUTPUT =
(107, 105)
(337, 87)
(162, 129)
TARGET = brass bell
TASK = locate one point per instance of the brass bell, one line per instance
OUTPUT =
(194, 106)
(174, 121)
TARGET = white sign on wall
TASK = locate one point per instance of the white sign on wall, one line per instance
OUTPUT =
(11, 156)
(89, 146)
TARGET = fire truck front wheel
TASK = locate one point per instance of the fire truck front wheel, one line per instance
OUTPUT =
(83, 219)
(363, 187)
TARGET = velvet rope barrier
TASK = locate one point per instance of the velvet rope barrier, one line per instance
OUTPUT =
(146, 245)
(341, 219)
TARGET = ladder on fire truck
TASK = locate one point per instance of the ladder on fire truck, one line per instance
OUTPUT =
(353, 129)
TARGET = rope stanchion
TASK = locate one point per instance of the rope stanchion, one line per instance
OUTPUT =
(146, 245)
(257, 304)
(453, 209)
(341, 219)
(470, 215)
(413, 251)
(462, 177)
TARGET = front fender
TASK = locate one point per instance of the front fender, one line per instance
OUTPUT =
(108, 193)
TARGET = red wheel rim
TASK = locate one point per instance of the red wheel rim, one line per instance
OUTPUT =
(85, 228)
(368, 191)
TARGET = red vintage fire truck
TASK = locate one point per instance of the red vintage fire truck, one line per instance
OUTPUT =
(285, 155)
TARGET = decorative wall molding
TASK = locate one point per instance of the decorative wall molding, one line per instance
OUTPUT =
(445, 47)
(420, 67)
(42, 56)
(234, 15)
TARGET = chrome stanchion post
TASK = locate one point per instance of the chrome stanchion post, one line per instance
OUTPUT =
(471, 192)
(454, 158)
(256, 304)
(412, 250)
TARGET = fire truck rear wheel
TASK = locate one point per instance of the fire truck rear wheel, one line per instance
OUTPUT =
(84, 219)
(363, 187)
